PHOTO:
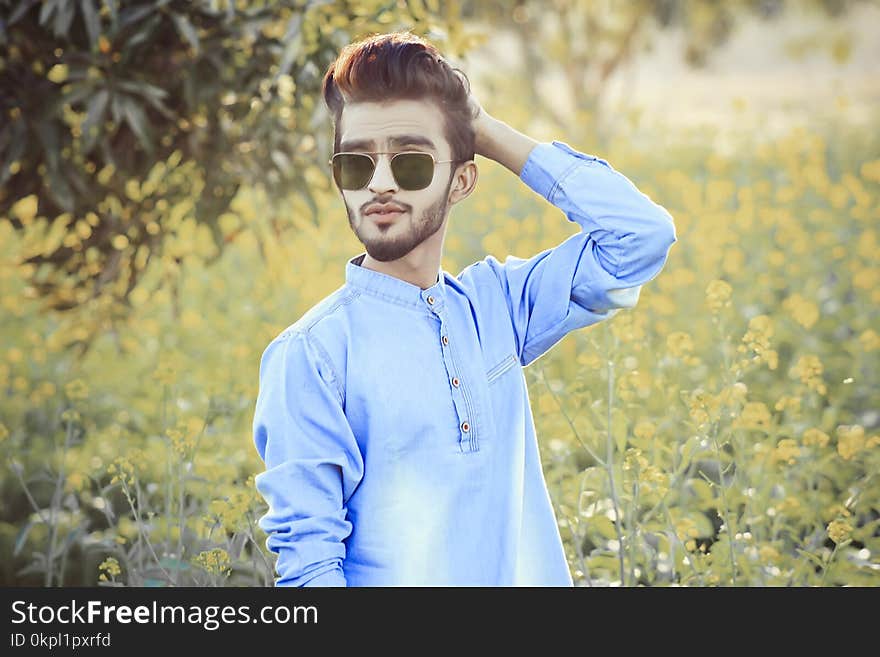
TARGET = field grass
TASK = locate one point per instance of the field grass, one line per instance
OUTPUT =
(722, 432)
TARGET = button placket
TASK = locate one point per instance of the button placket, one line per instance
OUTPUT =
(461, 403)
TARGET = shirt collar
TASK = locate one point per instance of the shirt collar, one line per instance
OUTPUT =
(395, 289)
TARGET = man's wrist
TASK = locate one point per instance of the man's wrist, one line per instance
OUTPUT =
(498, 141)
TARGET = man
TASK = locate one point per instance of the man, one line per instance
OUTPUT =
(393, 417)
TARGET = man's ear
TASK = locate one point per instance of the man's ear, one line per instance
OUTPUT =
(464, 182)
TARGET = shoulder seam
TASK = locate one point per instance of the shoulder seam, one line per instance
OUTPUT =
(328, 362)
(349, 296)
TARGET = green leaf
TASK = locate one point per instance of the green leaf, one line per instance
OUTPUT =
(130, 15)
(22, 537)
(619, 429)
(186, 30)
(144, 33)
(20, 10)
(92, 21)
(153, 95)
(604, 526)
(703, 492)
(114, 12)
(292, 42)
(137, 121)
(63, 18)
(46, 11)
(812, 557)
(94, 118)
(15, 148)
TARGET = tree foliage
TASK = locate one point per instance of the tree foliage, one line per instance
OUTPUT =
(123, 119)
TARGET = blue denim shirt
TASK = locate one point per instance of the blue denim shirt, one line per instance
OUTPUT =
(394, 421)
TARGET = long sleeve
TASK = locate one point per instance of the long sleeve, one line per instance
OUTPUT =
(624, 243)
(313, 462)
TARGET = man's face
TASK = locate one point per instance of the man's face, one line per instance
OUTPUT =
(371, 127)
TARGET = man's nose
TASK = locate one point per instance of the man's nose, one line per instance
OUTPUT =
(383, 177)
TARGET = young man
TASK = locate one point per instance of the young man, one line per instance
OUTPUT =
(393, 417)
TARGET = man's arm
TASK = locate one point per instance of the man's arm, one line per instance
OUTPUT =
(624, 241)
(498, 141)
(313, 462)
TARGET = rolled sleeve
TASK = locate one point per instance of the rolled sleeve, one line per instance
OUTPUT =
(624, 243)
(313, 463)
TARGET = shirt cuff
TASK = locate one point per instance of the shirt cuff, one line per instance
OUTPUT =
(330, 578)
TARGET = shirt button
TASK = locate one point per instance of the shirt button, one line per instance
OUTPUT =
(465, 426)
(445, 340)
(455, 381)
(431, 300)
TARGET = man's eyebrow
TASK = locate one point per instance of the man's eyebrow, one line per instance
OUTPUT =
(397, 140)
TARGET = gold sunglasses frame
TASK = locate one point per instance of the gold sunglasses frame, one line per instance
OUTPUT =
(376, 163)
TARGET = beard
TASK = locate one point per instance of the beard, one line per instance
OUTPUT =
(400, 238)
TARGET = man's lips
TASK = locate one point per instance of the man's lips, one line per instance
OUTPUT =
(385, 216)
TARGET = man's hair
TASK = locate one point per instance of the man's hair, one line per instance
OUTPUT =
(401, 66)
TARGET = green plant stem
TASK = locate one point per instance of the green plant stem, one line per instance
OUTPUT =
(56, 501)
(269, 567)
(609, 463)
(568, 419)
(686, 555)
(634, 505)
(141, 534)
(828, 565)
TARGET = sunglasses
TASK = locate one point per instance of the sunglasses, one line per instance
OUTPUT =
(412, 170)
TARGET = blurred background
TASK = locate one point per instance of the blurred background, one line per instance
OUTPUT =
(166, 210)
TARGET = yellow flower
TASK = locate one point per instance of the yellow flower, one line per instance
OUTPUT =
(122, 471)
(686, 528)
(591, 360)
(809, 369)
(213, 561)
(839, 530)
(768, 553)
(25, 208)
(633, 460)
(77, 389)
(703, 406)
(165, 372)
(794, 403)
(788, 505)
(757, 340)
(110, 566)
(679, 344)
(786, 451)
(815, 436)
(76, 481)
(718, 294)
(183, 436)
(755, 415)
(869, 339)
(804, 311)
(4, 432)
(645, 429)
(735, 393)
(850, 440)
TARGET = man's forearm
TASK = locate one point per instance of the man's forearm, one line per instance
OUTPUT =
(498, 141)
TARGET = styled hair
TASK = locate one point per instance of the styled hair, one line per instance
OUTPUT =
(401, 66)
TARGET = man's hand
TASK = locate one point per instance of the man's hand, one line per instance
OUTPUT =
(495, 140)
(480, 120)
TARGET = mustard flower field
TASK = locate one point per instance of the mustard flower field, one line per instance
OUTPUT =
(724, 432)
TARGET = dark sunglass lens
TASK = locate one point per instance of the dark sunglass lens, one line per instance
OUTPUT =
(413, 170)
(352, 171)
